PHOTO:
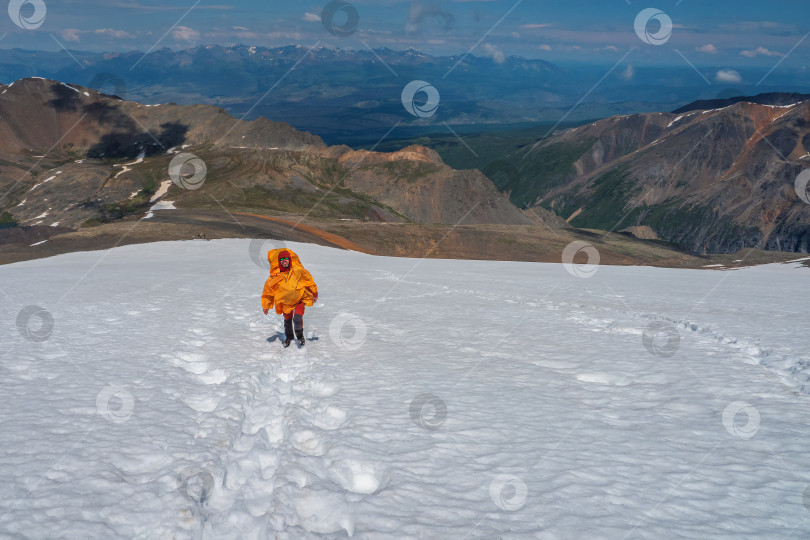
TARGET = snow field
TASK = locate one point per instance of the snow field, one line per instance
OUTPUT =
(434, 399)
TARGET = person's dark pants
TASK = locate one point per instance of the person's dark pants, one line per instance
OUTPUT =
(294, 319)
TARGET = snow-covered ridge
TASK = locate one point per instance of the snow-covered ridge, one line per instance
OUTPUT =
(716, 110)
(71, 87)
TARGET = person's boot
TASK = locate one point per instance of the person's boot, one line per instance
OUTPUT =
(298, 321)
(288, 331)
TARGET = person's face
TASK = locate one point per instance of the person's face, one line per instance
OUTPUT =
(285, 262)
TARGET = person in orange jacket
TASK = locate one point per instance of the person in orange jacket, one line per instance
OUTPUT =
(289, 288)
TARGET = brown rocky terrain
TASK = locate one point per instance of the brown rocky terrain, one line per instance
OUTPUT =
(75, 157)
(494, 242)
(711, 181)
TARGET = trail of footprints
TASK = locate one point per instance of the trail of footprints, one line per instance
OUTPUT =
(277, 474)
(284, 434)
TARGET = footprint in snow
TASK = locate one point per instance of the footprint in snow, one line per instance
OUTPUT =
(215, 376)
(318, 389)
(330, 418)
(202, 403)
(309, 443)
(358, 477)
(195, 363)
(323, 512)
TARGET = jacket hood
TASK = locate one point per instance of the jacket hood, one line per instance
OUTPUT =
(275, 254)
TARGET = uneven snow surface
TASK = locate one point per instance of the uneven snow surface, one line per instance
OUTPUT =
(145, 395)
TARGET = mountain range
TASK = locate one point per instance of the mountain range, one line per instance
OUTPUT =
(708, 179)
(671, 186)
(354, 96)
(102, 158)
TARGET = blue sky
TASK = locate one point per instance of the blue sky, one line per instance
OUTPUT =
(706, 33)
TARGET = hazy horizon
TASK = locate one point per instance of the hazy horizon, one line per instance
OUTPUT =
(721, 34)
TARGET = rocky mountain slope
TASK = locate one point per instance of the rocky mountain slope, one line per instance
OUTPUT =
(72, 157)
(711, 181)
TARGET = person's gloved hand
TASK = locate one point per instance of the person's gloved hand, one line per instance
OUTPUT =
(315, 297)
(265, 311)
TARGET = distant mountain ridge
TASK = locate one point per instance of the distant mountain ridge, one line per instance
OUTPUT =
(710, 181)
(770, 98)
(335, 93)
(354, 96)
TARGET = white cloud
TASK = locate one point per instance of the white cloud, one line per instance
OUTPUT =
(312, 17)
(752, 26)
(113, 33)
(184, 33)
(70, 34)
(708, 48)
(629, 73)
(728, 76)
(494, 52)
(759, 51)
(545, 47)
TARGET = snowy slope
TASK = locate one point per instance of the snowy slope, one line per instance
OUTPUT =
(435, 399)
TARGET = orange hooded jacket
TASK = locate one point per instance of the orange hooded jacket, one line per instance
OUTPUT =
(286, 290)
